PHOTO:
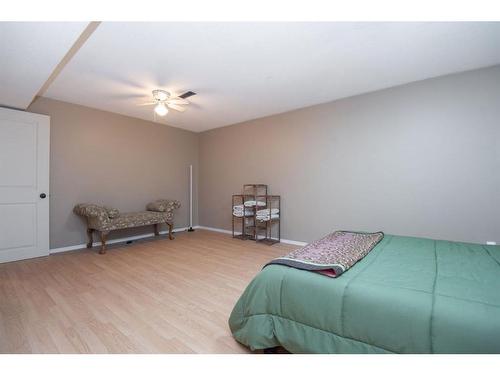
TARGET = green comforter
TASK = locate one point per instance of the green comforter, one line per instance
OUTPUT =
(408, 295)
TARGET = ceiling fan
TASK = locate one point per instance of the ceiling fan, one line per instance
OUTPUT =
(163, 100)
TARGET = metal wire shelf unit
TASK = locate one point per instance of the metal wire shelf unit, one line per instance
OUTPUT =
(250, 208)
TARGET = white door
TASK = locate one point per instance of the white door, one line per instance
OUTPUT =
(24, 185)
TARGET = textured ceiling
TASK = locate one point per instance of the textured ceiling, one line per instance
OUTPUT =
(29, 52)
(243, 71)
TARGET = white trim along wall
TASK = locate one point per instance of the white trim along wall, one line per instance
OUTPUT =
(140, 237)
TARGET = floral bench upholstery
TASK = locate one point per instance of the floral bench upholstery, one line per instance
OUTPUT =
(105, 219)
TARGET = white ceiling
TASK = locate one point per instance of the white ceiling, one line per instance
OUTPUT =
(29, 53)
(243, 71)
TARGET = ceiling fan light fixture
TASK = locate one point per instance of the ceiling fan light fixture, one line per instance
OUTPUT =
(161, 95)
(161, 109)
(163, 100)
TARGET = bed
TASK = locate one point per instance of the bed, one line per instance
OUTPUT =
(408, 295)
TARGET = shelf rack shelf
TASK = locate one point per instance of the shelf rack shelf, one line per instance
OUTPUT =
(256, 227)
(273, 203)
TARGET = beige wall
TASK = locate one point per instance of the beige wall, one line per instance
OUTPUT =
(102, 157)
(421, 159)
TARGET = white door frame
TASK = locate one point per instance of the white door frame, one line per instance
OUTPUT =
(25, 196)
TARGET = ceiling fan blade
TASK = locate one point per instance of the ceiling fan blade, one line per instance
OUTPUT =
(176, 107)
(147, 103)
(187, 94)
(177, 100)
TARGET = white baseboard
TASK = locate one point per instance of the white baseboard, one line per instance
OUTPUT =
(293, 242)
(217, 230)
(116, 240)
(290, 242)
(142, 236)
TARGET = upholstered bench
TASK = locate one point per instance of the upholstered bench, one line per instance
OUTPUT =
(105, 219)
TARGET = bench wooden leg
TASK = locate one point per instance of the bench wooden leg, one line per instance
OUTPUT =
(90, 236)
(103, 242)
(157, 232)
(170, 235)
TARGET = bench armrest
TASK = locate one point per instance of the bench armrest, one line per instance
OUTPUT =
(97, 216)
(163, 205)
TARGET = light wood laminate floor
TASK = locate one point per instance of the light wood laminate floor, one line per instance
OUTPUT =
(156, 296)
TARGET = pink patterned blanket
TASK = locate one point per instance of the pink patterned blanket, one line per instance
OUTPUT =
(332, 255)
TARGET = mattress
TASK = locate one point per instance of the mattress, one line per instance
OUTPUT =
(408, 295)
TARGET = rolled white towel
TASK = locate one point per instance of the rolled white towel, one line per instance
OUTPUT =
(267, 217)
(266, 211)
(239, 212)
(255, 203)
